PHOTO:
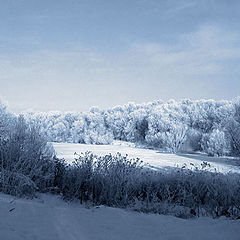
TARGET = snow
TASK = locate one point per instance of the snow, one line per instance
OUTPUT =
(50, 218)
(154, 158)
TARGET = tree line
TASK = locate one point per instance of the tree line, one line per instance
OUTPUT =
(208, 126)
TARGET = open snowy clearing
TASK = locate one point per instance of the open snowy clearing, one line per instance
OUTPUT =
(154, 158)
(50, 218)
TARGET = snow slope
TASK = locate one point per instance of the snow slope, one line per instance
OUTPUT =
(154, 158)
(50, 218)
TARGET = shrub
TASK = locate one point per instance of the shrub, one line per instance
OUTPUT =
(16, 184)
(118, 181)
(26, 160)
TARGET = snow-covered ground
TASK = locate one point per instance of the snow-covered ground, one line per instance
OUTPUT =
(154, 158)
(50, 218)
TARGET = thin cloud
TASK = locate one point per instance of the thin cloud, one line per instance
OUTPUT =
(206, 51)
(176, 8)
(145, 69)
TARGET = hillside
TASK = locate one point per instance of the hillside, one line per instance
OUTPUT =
(50, 218)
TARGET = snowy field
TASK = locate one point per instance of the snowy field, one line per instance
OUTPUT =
(154, 158)
(50, 218)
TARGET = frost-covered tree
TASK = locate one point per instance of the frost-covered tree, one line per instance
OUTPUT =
(217, 143)
(91, 128)
(233, 133)
(176, 136)
(168, 125)
(137, 126)
(117, 120)
(194, 138)
(78, 131)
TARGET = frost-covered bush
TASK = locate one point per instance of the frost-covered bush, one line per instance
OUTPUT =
(103, 180)
(16, 183)
(26, 159)
(119, 181)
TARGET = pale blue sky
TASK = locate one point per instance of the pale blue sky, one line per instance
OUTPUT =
(74, 54)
